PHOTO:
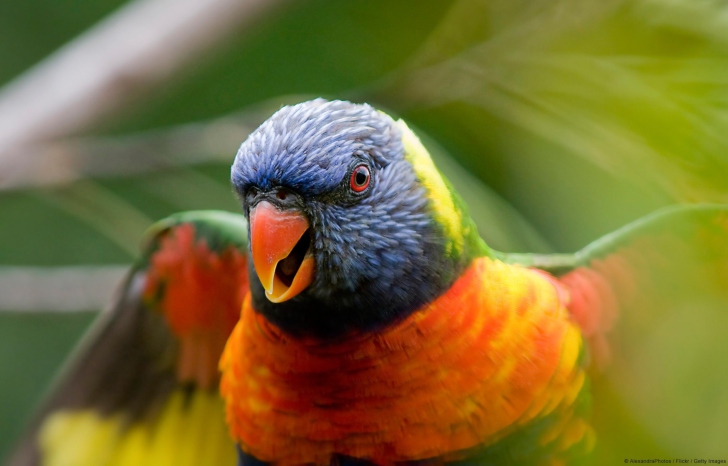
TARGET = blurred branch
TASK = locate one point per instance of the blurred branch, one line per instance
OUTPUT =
(69, 160)
(136, 48)
(58, 289)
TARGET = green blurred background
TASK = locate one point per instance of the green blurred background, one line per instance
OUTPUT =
(559, 121)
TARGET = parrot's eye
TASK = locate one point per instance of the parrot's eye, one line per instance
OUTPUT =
(360, 178)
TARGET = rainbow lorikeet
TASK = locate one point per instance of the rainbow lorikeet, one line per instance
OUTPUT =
(376, 326)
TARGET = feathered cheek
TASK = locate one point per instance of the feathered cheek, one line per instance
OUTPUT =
(339, 266)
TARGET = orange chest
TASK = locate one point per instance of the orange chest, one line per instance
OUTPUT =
(461, 372)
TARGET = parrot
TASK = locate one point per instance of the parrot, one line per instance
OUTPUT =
(352, 315)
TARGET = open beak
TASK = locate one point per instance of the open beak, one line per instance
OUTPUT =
(281, 243)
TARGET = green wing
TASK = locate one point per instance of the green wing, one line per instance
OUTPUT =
(141, 388)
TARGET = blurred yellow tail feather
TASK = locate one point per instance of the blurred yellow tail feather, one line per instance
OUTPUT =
(188, 432)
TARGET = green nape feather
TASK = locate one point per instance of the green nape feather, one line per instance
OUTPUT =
(449, 209)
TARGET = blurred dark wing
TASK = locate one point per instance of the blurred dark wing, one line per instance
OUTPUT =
(142, 387)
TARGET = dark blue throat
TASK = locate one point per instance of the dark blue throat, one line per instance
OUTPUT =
(328, 311)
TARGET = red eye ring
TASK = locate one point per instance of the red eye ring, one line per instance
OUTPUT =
(360, 178)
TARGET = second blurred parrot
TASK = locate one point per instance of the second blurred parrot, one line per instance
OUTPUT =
(376, 326)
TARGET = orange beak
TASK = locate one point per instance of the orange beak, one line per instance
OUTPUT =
(279, 241)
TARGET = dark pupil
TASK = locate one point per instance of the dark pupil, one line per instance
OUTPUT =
(361, 177)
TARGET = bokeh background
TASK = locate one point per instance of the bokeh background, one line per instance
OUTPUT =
(558, 121)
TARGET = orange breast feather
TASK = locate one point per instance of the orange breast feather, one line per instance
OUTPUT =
(495, 352)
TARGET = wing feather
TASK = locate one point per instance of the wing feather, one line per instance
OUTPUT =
(142, 386)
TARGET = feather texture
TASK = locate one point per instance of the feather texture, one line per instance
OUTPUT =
(494, 354)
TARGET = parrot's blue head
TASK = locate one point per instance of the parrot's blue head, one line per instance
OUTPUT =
(346, 228)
